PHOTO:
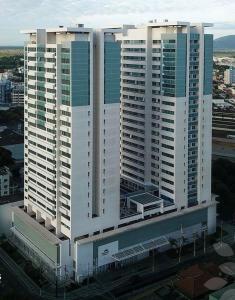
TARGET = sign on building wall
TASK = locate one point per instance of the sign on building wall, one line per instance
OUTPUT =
(105, 253)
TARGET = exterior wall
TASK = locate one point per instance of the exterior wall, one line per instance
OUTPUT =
(41, 246)
(101, 250)
(72, 130)
(111, 72)
(208, 63)
(205, 149)
(132, 237)
(5, 92)
(205, 117)
(166, 75)
(84, 260)
(65, 117)
(6, 217)
(39, 241)
(17, 94)
(81, 172)
(181, 150)
(80, 73)
(72, 165)
(211, 219)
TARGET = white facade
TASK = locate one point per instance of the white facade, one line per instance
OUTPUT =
(166, 111)
(72, 136)
(72, 140)
(229, 76)
(17, 94)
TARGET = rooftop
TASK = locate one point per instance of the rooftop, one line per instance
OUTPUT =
(60, 29)
(155, 23)
(4, 171)
(11, 198)
(31, 222)
(145, 198)
(10, 137)
(144, 222)
(81, 28)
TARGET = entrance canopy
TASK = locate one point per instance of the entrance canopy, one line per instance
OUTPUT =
(140, 248)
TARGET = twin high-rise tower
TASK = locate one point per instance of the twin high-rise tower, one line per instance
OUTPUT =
(74, 219)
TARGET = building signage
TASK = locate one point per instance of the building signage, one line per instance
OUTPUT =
(105, 253)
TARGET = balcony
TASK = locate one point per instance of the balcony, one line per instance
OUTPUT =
(50, 96)
(32, 63)
(49, 65)
(50, 85)
(49, 75)
(31, 73)
(49, 55)
(31, 54)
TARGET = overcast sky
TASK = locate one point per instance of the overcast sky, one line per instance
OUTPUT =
(23, 14)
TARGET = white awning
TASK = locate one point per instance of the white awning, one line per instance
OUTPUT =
(140, 248)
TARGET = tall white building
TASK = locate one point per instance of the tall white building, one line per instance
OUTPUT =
(229, 76)
(166, 111)
(72, 162)
(74, 221)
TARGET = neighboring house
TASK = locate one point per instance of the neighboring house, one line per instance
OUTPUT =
(229, 76)
(5, 175)
(5, 92)
(12, 141)
(6, 205)
(17, 94)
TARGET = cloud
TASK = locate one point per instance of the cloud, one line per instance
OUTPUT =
(16, 15)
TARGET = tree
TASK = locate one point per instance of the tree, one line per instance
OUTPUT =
(223, 184)
(5, 158)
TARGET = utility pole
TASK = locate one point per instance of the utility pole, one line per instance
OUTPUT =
(221, 233)
(56, 285)
(204, 242)
(87, 274)
(153, 268)
(181, 242)
(194, 244)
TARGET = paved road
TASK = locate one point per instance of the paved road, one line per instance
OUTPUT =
(11, 286)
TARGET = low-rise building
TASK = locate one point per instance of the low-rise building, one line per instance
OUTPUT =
(5, 91)
(4, 181)
(229, 76)
(17, 94)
